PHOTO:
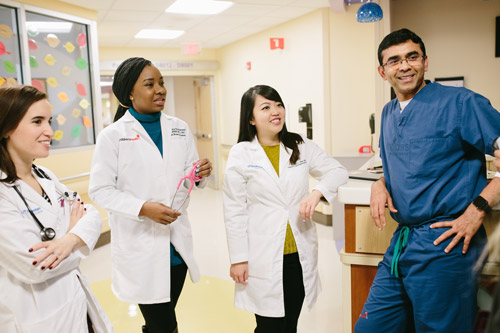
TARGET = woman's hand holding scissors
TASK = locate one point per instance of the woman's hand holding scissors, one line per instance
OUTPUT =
(159, 212)
(58, 249)
(204, 168)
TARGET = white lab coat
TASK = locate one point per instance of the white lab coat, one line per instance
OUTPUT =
(50, 300)
(128, 170)
(257, 206)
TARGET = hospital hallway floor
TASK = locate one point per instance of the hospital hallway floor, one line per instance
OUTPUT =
(207, 306)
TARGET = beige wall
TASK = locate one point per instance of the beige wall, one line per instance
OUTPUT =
(153, 53)
(353, 79)
(329, 60)
(158, 54)
(459, 36)
(297, 73)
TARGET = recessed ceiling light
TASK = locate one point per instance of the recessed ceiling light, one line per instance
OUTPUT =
(199, 7)
(159, 34)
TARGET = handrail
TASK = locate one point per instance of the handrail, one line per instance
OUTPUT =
(81, 175)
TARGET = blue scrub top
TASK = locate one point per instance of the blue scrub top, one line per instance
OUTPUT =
(433, 152)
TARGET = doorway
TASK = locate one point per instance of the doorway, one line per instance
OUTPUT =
(192, 99)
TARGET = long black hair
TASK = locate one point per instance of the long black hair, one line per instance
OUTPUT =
(123, 82)
(248, 131)
(14, 103)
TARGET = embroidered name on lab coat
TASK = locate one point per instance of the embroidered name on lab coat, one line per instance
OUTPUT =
(130, 139)
(178, 132)
(26, 212)
(255, 166)
(298, 163)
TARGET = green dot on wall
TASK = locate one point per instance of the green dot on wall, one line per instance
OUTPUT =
(81, 63)
(33, 62)
(75, 131)
(9, 66)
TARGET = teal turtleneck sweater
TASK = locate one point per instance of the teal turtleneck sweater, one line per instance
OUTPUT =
(152, 125)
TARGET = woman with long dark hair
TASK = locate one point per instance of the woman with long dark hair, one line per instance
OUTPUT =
(46, 228)
(137, 165)
(273, 245)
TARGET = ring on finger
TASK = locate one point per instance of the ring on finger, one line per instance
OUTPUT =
(56, 255)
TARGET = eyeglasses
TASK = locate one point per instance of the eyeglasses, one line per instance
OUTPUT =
(412, 60)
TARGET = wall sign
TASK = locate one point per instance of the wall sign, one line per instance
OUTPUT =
(112, 65)
(277, 43)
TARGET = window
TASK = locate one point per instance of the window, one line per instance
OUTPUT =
(10, 49)
(58, 59)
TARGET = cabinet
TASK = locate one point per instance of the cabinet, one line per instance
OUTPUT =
(365, 246)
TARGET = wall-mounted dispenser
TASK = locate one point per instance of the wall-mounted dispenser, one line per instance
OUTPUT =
(305, 116)
(372, 129)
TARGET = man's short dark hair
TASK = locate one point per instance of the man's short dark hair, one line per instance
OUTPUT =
(399, 37)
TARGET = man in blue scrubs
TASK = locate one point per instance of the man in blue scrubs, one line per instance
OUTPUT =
(432, 143)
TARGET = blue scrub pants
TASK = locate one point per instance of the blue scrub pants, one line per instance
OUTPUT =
(435, 291)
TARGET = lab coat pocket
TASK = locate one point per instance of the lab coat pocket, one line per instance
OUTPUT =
(135, 235)
(260, 256)
(427, 156)
(69, 318)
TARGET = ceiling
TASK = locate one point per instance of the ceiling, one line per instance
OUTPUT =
(119, 20)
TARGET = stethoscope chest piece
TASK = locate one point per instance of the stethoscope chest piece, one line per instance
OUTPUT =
(47, 234)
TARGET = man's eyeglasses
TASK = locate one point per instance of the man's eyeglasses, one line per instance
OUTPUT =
(413, 59)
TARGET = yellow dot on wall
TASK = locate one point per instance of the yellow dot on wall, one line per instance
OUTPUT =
(76, 112)
(49, 60)
(52, 81)
(58, 135)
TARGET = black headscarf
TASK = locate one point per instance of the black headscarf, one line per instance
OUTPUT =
(123, 82)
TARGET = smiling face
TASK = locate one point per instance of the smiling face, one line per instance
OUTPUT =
(268, 118)
(148, 94)
(406, 79)
(31, 138)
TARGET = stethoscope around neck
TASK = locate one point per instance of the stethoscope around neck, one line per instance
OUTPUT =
(46, 234)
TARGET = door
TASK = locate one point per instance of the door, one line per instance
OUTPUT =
(204, 126)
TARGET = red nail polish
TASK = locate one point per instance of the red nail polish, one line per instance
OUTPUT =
(78, 199)
(50, 267)
(30, 250)
(43, 267)
(85, 209)
(34, 262)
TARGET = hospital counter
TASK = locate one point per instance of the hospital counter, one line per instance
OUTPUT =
(365, 246)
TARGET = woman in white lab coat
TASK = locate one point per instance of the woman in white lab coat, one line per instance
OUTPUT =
(137, 165)
(46, 229)
(273, 245)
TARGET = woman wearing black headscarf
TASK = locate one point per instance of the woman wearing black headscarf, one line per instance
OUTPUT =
(138, 162)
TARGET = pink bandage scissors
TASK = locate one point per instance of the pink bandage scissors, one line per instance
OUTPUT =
(193, 178)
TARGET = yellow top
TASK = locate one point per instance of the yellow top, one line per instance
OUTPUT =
(273, 153)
